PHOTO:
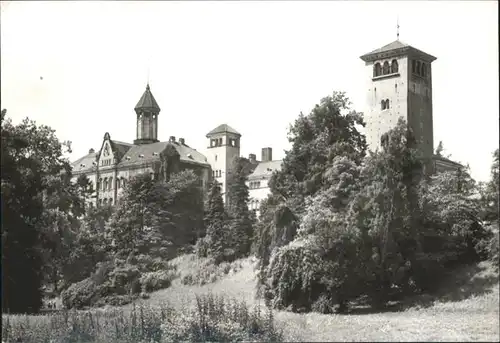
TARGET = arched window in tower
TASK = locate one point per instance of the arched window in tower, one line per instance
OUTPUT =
(424, 69)
(418, 68)
(386, 68)
(387, 104)
(110, 183)
(413, 66)
(377, 70)
(394, 66)
(383, 105)
(105, 184)
(215, 157)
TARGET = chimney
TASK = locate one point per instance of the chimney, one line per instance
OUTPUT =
(91, 151)
(252, 158)
(267, 154)
(181, 140)
(172, 139)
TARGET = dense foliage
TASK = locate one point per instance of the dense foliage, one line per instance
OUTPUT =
(340, 225)
(39, 205)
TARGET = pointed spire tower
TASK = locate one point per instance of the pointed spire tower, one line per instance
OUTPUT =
(147, 111)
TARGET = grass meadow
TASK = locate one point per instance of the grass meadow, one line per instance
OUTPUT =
(465, 309)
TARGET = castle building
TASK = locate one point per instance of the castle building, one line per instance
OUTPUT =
(111, 167)
(399, 85)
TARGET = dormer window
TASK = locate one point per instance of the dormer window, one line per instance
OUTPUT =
(82, 165)
(155, 154)
(189, 155)
(141, 155)
(127, 158)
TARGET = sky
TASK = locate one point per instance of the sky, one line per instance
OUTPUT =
(254, 65)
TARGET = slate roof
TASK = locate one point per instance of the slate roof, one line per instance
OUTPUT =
(446, 160)
(147, 101)
(84, 163)
(223, 129)
(393, 46)
(265, 169)
(186, 154)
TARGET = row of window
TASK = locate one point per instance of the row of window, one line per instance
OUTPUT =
(385, 68)
(107, 183)
(254, 184)
(419, 68)
(216, 173)
(254, 204)
(105, 201)
(218, 142)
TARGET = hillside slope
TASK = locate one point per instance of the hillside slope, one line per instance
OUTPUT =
(465, 309)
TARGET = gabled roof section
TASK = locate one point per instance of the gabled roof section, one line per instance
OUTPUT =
(224, 128)
(147, 101)
(265, 169)
(84, 164)
(189, 155)
(120, 148)
(446, 160)
(148, 153)
(393, 49)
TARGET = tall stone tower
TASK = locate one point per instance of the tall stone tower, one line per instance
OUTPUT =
(399, 84)
(147, 111)
(224, 146)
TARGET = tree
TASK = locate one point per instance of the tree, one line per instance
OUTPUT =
(32, 163)
(157, 217)
(490, 192)
(241, 229)
(216, 238)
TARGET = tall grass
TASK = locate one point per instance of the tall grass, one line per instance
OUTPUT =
(212, 319)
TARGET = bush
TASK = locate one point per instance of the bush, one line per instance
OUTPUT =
(153, 281)
(493, 248)
(208, 271)
(218, 320)
(80, 294)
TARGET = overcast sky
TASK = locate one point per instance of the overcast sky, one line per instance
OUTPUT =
(253, 65)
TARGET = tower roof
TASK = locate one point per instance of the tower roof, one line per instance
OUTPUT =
(393, 49)
(147, 101)
(224, 128)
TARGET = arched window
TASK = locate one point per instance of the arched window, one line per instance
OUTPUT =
(418, 68)
(99, 185)
(413, 66)
(386, 68)
(105, 184)
(394, 66)
(387, 104)
(110, 201)
(424, 69)
(110, 183)
(382, 105)
(377, 69)
(105, 201)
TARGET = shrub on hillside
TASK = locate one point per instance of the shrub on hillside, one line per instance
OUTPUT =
(80, 294)
(493, 248)
(207, 271)
(153, 281)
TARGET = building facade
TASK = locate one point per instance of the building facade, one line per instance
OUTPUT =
(111, 167)
(398, 83)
